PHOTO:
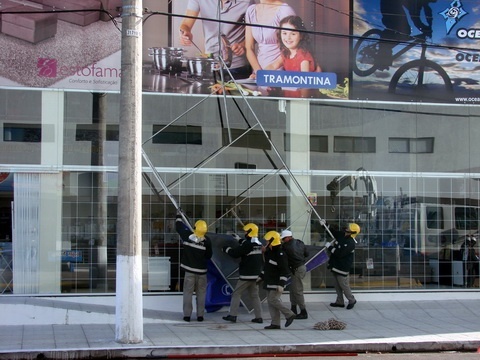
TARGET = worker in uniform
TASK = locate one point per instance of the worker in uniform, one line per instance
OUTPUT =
(297, 254)
(341, 254)
(197, 250)
(274, 275)
(251, 263)
(470, 259)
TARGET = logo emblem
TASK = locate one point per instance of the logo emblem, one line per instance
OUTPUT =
(47, 67)
(453, 14)
(226, 290)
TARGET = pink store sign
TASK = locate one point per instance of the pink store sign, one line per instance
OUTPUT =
(77, 50)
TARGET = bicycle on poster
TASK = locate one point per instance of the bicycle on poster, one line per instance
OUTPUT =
(414, 78)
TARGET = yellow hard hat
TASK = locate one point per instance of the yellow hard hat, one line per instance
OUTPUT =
(200, 228)
(353, 229)
(251, 229)
(273, 237)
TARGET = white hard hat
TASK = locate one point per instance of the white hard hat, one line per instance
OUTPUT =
(285, 233)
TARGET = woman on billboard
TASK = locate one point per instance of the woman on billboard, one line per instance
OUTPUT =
(261, 42)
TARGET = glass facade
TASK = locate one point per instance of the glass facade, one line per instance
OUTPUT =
(407, 173)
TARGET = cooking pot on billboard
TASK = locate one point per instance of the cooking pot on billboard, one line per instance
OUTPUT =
(202, 68)
(167, 59)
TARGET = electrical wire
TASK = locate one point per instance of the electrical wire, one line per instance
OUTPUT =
(56, 11)
(312, 32)
(150, 13)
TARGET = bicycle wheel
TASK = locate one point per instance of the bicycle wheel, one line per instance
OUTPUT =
(365, 53)
(422, 80)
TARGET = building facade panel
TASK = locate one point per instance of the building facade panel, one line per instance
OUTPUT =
(415, 200)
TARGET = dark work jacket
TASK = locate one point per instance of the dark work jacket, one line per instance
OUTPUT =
(341, 254)
(195, 255)
(296, 252)
(275, 271)
(251, 262)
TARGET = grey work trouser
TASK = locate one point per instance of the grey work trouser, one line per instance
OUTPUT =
(296, 287)
(342, 287)
(276, 307)
(194, 283)
(252, 288)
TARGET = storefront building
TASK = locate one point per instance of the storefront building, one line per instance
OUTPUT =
(400, 161)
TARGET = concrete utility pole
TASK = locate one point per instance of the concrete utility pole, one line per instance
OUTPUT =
(129, 302)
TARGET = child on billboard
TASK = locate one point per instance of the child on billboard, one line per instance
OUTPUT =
(294, 47)
(295, 51)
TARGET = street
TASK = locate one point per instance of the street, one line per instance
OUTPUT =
(373, 356)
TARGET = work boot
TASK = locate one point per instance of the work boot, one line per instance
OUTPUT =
(303, 315)
(294, 309)
(351, 305)
(230, 318)
(272, 327)
(290, 320)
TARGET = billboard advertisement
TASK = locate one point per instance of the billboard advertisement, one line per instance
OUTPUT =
(71, 50)
(416, 50)
(406, 50)
(274, 48)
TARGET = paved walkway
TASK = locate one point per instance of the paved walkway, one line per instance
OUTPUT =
(81, 328)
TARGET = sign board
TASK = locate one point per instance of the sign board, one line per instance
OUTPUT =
(311, 49)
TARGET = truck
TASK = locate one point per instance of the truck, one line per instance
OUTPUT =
(402, 236)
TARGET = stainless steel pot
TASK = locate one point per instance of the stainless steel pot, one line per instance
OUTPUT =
(167, 59)
(202, 68)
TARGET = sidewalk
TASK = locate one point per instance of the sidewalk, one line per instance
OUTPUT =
(84, 328)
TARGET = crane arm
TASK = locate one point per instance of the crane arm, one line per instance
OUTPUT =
(341, 182)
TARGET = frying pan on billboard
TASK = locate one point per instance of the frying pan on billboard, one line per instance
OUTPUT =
(406, 50)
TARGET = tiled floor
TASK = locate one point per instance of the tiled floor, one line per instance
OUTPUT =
(371, 326)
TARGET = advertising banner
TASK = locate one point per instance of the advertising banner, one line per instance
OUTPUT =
(405, 50)
(416, 50)
(189, 47)
(271, 49)
(42, 48)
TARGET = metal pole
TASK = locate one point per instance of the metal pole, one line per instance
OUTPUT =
(165, 188)
(274, 148)
(99, 118)
(129, 302)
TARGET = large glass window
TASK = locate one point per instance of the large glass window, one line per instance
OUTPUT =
(415, 205)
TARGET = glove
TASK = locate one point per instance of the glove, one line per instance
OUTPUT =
(323, 222)
(193, 238)
(259, 280)
(236, 237)
(328, 244)
(225, 249)
(280, 289)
